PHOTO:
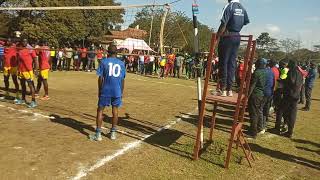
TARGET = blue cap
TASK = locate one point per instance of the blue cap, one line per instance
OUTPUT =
(263, 61)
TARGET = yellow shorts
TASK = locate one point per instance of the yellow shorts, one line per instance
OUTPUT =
(7, 71)
(26, 75)
(44, 74)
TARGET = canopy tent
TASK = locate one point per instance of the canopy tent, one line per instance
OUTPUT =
(134, 44)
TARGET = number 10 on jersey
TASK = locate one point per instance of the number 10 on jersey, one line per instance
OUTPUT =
(114, 70)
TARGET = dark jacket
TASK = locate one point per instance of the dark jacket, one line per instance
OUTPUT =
(293, 83)
(311, 78)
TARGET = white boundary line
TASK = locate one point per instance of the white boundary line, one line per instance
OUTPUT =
(130, 146)
(27, 112)
(107, 158)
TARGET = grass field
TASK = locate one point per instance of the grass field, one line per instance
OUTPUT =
(157, 134)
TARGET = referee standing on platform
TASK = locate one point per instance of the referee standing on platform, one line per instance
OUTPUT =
(234, 17)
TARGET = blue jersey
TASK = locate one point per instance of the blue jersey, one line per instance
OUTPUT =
(234, 16)
(1, 51)
(113, 71)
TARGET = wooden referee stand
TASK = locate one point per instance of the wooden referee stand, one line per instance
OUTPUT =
(239, 100)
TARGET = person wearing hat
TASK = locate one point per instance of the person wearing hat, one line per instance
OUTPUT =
(309, 83)
(256, 98)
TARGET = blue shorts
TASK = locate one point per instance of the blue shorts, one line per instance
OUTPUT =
(107, 101)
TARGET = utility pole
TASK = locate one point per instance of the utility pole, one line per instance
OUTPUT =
(195, 12)
(151, 25)
(167, 8)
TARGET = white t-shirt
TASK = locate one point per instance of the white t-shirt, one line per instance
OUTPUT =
(151, 58)
(141, 58)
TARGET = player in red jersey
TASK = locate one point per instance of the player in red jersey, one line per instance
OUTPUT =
(11, 67)
(25, 59)
(44, 56)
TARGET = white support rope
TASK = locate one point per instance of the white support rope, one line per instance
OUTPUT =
(77, 7)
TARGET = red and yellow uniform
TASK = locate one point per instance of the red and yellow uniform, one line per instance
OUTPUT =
(44, 55)
(10, 61)
(25, 64)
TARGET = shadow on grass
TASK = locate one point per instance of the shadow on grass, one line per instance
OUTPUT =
(72, 123)
(306, 142)
(150, 133)
(283, 156)
(307, 149)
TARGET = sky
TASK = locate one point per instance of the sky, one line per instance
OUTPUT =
(295, 19)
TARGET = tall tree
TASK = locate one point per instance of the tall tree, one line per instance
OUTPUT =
(267, 46)
(62, 25)
(289, 45)
(178, 30)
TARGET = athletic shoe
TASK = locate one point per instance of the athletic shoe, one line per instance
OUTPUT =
(2, 98)
(305, 109)
(95, 137)
(250, 136)
(20, 102)
(16, 100)
(288, 135)
(223, 94)
(33, 104)
(45, 98)
(229, 93)
(113, 135)
(262, 132)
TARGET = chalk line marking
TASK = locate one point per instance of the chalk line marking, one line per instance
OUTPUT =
(28, 112)
(127, 147)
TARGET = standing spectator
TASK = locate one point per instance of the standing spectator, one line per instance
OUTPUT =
(91, 58)
(83, 56)
(156, 64)
(146, 64)
(68, 55)
(60, 59)
(76, 58)
(268, 95)
(162, 63)
(279, 98)
(141, 63)
(189, 67)
(100, 54)
(234, 17)
(1, 56)
(291, 93)
(53, 59)
(170, 64)
(256, 99)
(177, 65)
(151, 62)
(309, 83)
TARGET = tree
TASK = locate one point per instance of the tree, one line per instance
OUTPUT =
(267, 45)
(178, 30)
(289, 45)
(61, 26)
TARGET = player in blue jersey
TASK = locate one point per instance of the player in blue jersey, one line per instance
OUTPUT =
(111, 74)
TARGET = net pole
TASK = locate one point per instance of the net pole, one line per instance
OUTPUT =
(151, 25)
(167, 8)
(78, 7)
